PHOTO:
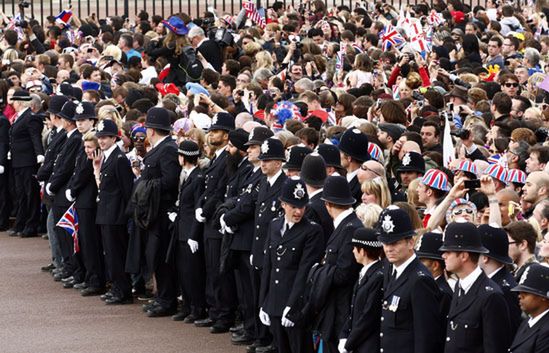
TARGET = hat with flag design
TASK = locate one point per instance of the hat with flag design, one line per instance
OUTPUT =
(294, 192)
(456, 203)
(467, 166)
(534, 280)
(436, 179)
(393, 225)
(375, 152)
(498, 172)
(516, 176)
(176, 25)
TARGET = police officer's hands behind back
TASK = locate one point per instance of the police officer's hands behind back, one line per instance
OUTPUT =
(284, 321)
(341, 345)
(193, 245)
(264, 317)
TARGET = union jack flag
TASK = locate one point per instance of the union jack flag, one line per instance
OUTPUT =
(253, 14)
(64, 17)
(435, 18)
(69, 222)
(391, 37)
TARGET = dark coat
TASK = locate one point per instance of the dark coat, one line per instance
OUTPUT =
(362, 327)
(532, 339)
(356, 191)
(115, 189)
(479, 323)
(339, 255)
(316, 211)
(189, 194)
(267, 207)
(55, 146)
(415, 323)
(26, 140)
(211, 51)
(286, 265)
(145, 202)
(63, 168)
(82, 183)
(236, 183)
(4, 140)
(447, 294)
(505, 280)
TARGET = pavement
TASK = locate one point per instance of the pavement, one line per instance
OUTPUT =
(40, 316)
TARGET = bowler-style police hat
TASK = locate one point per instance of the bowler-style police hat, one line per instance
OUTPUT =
(462, 237)
(294, 192)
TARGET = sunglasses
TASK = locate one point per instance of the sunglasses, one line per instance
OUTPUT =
(467, 210)
(511, 84)
(139, 138)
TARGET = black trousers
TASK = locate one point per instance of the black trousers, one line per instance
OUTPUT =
(263, 334)
(27, 191)
(5, 198)
(115, 245)
(244, 274)
(291, 339)
(191, 276)
(91, 249)
(71, 262)
(220, 288)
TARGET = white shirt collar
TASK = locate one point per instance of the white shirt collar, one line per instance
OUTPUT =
(22, 112)
(403, 266)
(467, 282)
(494, 273)
(108, 152)
(533, 320)
(342, 216)
(159, 141)
(189, 170)
(69, 133)
(200, 43)
(365, 268)
(351, 175)
(314, 193)
(256, 168)
(272, 179)
(219, 151)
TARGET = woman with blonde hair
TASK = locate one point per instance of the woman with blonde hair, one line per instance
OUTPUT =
(109, 112)
(376, 191)
(263, 60)
(368, 214)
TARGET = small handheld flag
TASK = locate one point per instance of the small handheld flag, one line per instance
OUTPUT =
(69, 222)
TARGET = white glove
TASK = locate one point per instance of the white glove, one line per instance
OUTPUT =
(251, 260)
(40, 159)
(172, 216)
(48, 189)
(9, 155)
(2, 169)
(193, 244)
(224, 227)
(198, 215)
(285, 322)
(341, 345)
(68, 195)
(264, 317)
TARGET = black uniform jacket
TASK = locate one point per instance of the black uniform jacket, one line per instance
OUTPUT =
(339, 255)
(411, 318)
(362, 327)
(55, 146)
(479, 322)
(63, 169)
(316, 212)
(286, 265)
(189, 194)
(114, 190)
(447, 294)
(505, 280)
(26, 140)
(4, 140)
(82, 183)
(533, 339)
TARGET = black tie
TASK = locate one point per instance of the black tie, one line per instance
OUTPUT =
(285, 229)
(53, 132)
(461, 293)
(394, 275)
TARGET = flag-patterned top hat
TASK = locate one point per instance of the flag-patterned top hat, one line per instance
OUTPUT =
(375, 152)
(467, 166)
(516, 176)
(498, 172)
(436, 179)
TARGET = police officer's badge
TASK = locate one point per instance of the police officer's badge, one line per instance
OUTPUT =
(214, 120)
(418, 243)
(251, 136)
(524, 275)
(100, 126)
(357, 131)
(79, 108)
(288, 154)
(406, 160)
(265, 147)
(299, 192)
(388, 226)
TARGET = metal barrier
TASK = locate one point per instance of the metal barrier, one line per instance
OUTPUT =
(41, 9)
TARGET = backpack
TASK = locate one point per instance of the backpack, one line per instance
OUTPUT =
(189, 68)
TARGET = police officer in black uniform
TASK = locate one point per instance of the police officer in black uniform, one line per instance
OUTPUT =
(332, 157)
(5, 200)
(294, 160)
(478, 320)
(494, 264)
(292, 248)
(353, 148)
(361, 331)
(189, 251)
(313, 173)
(533, 288)
(114, 177)
(26, 153)
(427, 250)
(411, 320)
(338, 257)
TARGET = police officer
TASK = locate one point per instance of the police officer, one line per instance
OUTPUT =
(83, 190)
(353, 148)
(313, 173)
(5, 202)
(114, 179)
(338, 257)
(494, 264)
(220, 290)
(296, 155)
(189, 251)
(26, 153)
(411, 320)
(533, 289)
(292, 248)
(161, 165)
(478, 320)
(361, 331)
(427, 250)
(62, 171)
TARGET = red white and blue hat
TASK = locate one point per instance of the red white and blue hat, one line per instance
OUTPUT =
(375, 151)
(176, 25)
(498, 172)
(467, 166)
(516, 176)
(436, 179)
(456, 203)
